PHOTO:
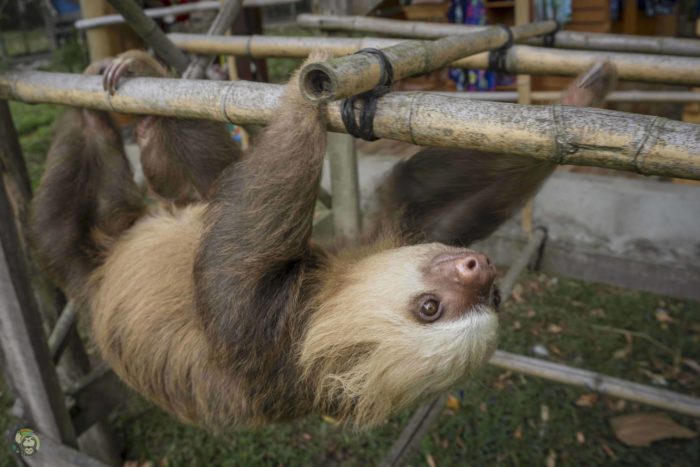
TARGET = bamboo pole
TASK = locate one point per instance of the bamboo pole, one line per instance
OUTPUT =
(684, 97)
(151, 34)
(520, 59)
(616, 387)
(345, 186)
(354, 74)
(109, 20)
(562, 39)
(561, 134)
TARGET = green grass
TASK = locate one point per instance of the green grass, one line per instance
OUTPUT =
(25, 42)
(34, 124)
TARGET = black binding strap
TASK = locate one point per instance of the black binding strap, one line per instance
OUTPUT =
(368, 100)
(549, 39)
(497, 58)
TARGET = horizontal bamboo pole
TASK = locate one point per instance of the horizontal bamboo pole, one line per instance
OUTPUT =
(109, 20)
(354, 74)
(529, 60)
(561, 134)
(520, 59)
(616, 387)
(562, 39)
(552, 96)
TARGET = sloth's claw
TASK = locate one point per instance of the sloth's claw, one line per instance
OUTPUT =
(114, 72)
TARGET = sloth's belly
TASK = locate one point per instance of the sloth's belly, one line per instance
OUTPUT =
(146, 327)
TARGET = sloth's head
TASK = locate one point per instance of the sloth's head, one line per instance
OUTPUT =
(399, 326)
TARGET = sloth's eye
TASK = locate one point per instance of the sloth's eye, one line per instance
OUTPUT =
(430, 310)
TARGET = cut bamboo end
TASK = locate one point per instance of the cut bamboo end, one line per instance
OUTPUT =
(318, 83)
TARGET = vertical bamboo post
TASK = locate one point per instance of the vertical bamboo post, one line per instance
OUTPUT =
(345, 190)
(342, 156)
(522, 16)
(23, 339)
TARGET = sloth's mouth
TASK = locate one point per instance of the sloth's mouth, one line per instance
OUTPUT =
(495, 297)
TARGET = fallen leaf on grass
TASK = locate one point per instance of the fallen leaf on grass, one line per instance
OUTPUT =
(642, 429)
(517, 293)
(554, 328)
(662, 316)
(580, 437)
(599, 312)
(587, 400)
(429, 459)
(330, 420)
(551, 459)
(518, 433)
(691, 364)
(608, 450)
(452, 402)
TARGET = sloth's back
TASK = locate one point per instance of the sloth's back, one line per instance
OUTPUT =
(145, 324)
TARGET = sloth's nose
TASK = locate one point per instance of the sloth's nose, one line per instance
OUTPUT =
(474, 270)
(469, 269)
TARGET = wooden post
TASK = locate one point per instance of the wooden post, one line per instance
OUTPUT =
(110, 40)
(151, 33)
(222, 22)
(345, 189)
(23, 339)
(98, 441)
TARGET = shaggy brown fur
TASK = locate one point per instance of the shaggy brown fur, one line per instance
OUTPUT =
(226, 315)
(460, 196)
(176, 167)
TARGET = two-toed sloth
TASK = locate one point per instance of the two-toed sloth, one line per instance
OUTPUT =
(226, 314)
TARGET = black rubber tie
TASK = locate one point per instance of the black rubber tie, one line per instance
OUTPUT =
(368, 100)
(549, 39)
(497, 58)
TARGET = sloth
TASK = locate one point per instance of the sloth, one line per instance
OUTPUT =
(226, 314)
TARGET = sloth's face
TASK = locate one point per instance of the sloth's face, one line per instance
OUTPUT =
(407, 324)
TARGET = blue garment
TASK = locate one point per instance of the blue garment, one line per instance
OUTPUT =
(470, 12)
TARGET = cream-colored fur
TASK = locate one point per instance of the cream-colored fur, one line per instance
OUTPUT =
(398, 360)
(145, 324)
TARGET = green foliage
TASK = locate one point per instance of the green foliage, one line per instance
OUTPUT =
(70, 57)
(34, 124)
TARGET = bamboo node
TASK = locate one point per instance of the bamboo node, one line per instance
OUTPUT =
(639, 154)
(562, 144)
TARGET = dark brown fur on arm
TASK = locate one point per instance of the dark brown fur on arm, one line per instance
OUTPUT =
(86, 197)
(458, 196)
(254, 270)
(181, 158)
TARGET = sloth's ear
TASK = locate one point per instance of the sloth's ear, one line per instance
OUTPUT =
(459, 196)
